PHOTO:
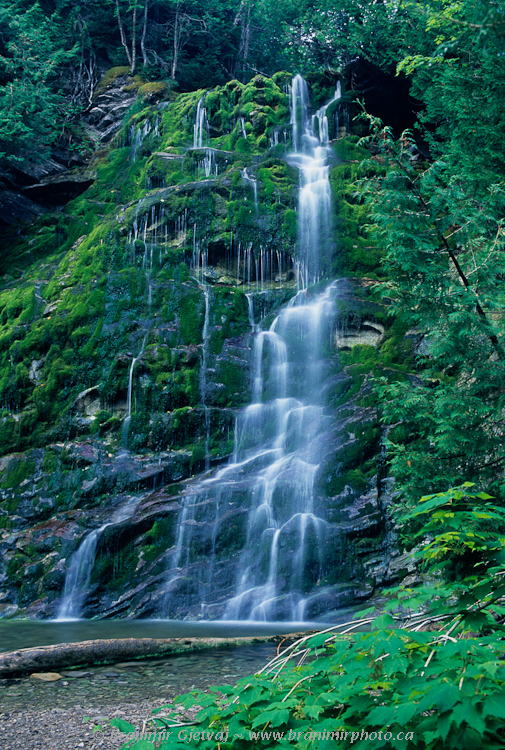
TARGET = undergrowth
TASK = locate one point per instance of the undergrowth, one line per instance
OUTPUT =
(430, 680)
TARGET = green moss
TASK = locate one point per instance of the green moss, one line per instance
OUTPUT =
(190, 320)
(290, 223)
(197, 458)
(155, 90)
(18, 470)
(159, 538)
(110, 77)
(231, 537)
(235, 382)
(114, 567)
(354, 253)
(50, 462)
(322, 86)
(15, 567)
(356, 463)
(229, 316)
(77, 309)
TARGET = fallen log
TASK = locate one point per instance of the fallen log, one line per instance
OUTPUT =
(85, 653)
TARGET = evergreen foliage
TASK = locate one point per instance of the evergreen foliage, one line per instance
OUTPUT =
(32, 108)
(440, 224)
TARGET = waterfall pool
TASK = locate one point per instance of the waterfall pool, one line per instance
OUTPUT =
(103, 686)
(16, 634)
(161, 679)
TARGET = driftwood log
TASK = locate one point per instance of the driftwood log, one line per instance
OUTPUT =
(84, 653)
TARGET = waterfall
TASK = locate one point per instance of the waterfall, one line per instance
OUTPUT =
(322, 119)
(137, 135)
(253, 182)
(200, 129)
(314, 197)
(250, 309)
(282, 439)
(209, 163)
(299, 111)
(81, 566)
(265, 496)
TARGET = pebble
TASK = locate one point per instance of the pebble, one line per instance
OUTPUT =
(36, 714)
(60, 729)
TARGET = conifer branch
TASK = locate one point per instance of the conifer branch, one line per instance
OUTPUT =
(459, 270)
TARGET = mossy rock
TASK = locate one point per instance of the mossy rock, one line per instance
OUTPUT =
(154, 91)
(110, 78)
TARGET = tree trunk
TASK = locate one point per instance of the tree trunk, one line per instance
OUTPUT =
(245, 35)
(63, 655)
(177, 31)
(134, 40)
(143, 38)
(121, 31)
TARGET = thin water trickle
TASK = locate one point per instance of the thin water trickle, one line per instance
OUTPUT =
(126, 423)
(254, 185)
(321, 117)
(204, 374)
(201, 137)
(200, 127)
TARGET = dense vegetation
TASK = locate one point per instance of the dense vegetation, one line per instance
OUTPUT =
(437, 214)
(435, 201)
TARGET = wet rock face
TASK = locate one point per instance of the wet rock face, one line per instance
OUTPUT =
(130, 573)
(116, 93)
(129, 360)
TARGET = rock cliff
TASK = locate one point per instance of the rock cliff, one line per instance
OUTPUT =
(127, 318)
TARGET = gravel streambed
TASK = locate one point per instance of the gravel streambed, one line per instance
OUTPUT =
(73, 710)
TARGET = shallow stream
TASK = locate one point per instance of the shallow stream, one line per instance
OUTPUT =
(102, 687)
(136, 681)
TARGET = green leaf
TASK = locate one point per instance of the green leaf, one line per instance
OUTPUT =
(494, 705)
(275, 717)
(465, 712)
(447, 696)
(383, 622)
(122, 725)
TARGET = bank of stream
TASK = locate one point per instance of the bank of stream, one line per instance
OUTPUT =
(102, 686)
(74, 710)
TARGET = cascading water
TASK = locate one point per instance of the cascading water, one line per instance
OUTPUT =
(265, 497)
(254, 184)
(200, 127)
(203, 373)
(322, 118)
(201, 137)
(285, 537)
(314, 199)
(81, 566)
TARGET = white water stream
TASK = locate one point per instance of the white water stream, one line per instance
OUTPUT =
(279, 440)
(126, 423)
(81, 565)
(263, 501)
